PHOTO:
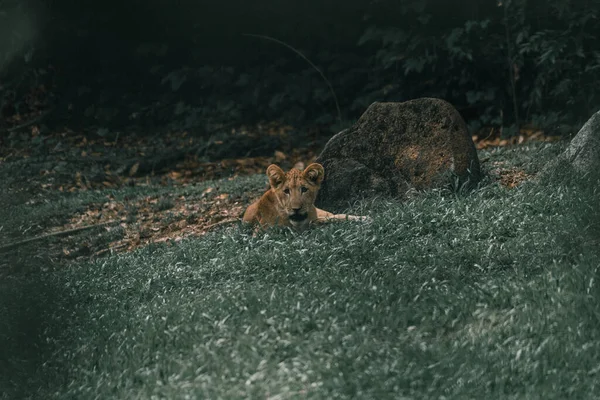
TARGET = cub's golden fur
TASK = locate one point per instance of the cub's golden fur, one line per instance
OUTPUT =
(290, 201)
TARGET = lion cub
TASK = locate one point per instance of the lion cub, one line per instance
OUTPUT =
(291, 200)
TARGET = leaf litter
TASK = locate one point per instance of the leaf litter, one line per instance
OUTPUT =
(117, 161)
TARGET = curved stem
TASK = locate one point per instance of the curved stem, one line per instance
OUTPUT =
(337, 105)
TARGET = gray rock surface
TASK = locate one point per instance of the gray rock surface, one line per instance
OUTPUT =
(394, 147)
(584, 150)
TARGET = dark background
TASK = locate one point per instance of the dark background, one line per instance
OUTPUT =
(187, 65)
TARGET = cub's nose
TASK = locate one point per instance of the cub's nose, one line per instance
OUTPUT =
(296, 210)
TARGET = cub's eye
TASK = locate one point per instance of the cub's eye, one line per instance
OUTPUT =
(286, 191)
(303, 189)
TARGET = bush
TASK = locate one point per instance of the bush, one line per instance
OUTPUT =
(520, 61)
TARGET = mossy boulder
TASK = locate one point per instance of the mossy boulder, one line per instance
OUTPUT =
(395, 147)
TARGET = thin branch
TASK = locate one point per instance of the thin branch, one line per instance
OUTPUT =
(114, 248)
(60, 233)
(223, 222)
(337, 105)
(28, 123)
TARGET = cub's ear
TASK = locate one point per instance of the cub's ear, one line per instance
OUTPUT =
(276, 176)
(314, 173)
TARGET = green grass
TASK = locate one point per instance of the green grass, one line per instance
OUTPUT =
(488, 295)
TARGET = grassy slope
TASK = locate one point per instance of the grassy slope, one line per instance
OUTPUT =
(488, 295)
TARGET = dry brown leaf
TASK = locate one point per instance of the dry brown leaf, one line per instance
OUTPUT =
(280, 156)
(133, 170)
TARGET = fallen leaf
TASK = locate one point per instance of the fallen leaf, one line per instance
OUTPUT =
(280, 156)
(133, 170)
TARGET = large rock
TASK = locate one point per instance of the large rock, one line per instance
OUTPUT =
(394, 147)
(583, 153)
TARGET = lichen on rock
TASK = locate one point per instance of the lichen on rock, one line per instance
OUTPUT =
(396, 147)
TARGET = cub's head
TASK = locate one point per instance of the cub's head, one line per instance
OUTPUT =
(296, 191)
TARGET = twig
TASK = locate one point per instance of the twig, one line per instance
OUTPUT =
(28, 123)
(488, 136)
(223, 222)
(115, 248)
(337, 105)
(61, 233)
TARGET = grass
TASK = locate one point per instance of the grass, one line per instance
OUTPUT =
(38, 212)
(492, 294)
